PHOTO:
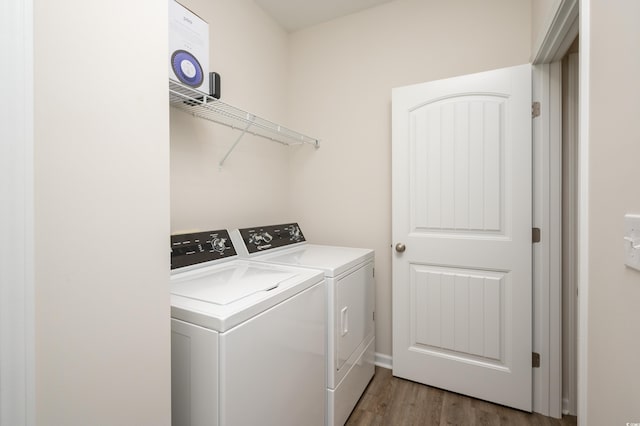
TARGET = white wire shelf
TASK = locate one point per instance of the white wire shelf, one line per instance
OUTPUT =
(212, 109)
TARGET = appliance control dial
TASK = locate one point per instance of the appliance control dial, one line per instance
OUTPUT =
(294, 232)
(255, 239)
(219, 244)
(260, 238)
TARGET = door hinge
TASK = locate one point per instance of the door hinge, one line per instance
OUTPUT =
(535, 109)
(535, 360)
(374, 316)
(535, 235)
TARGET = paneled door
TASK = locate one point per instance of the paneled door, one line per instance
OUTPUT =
(462, 235)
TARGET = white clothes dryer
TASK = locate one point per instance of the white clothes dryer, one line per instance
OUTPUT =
(247, 338)
(349, 275)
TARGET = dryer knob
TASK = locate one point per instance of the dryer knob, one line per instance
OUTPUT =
(266, 237)
(294, 231)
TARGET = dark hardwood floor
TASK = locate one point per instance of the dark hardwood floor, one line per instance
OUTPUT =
(390, 401)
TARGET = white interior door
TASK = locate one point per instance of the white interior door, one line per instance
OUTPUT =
(462, 235)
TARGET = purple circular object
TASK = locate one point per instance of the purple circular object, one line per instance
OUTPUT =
(187, 68)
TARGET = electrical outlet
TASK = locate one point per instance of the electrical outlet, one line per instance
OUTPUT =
(632, 241)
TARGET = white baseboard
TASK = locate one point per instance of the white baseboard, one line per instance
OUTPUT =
(384, 361)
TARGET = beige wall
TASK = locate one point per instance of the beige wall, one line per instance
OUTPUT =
(341, 76)
(614, 143)
(542, 13)
(102, 172)
(101, 183)
(249, 50)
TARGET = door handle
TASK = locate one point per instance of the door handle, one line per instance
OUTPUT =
(400, 247)
(344, 320)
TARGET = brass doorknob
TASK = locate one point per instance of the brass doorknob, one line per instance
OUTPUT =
(400, 247)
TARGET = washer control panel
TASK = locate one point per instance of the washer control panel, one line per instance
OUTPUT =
(200, 247)
(269, 237)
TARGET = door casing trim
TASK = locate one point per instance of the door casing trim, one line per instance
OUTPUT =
(570, 19)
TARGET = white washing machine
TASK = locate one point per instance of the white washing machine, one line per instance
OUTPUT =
(350, 305)
(247, 338)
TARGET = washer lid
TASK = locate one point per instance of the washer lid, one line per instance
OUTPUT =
(222, 296)
(228, 284)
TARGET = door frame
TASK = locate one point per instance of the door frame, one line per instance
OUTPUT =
(570, 135)
(17, 298)
(547, 286)
(570, 19)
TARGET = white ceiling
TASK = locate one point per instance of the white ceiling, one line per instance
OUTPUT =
(297, 14)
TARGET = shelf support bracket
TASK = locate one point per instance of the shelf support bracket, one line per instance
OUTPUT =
(244, 131)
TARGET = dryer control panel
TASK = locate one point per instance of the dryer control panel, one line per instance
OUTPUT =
(200, 247)
(262, 238)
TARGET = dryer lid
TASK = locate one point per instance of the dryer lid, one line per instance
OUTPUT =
(333, 260)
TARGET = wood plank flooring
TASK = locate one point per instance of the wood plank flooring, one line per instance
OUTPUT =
(390, 401)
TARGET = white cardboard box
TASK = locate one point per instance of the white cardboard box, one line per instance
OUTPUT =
(188, 48)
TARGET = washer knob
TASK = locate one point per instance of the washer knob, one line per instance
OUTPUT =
(219, 244)
(266, 237)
